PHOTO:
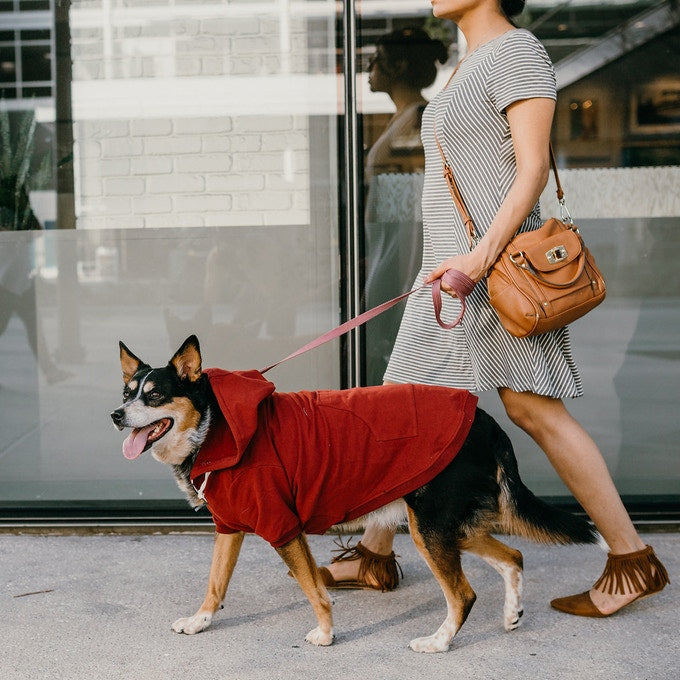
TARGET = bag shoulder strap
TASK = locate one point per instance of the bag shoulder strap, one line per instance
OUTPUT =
(553, 165)
(473, 237)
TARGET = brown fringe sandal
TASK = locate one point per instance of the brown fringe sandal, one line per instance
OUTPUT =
(382, 570)
(639, 571)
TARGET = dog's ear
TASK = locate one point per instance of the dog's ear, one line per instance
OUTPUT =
(129, 363)
(187, 360)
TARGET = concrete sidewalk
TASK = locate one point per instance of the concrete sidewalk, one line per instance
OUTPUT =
(100, 607)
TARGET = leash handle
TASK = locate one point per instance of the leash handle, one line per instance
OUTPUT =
(461, 284)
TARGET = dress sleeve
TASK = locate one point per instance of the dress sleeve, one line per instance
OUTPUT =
(521, 70)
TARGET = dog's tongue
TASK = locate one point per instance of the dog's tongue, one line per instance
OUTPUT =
(135, 442)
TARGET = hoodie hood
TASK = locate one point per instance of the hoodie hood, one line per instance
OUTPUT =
(239, 395)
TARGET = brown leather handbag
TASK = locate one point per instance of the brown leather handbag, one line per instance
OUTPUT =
(543, 279)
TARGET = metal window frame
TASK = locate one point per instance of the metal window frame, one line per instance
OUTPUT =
(23, 20)
(351, 199)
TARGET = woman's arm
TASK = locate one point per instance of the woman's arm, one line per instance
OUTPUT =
(530, 122)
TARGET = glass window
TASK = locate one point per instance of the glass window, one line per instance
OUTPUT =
(185, 167)
(617, 138)
(404, 60)
(195, 191)
(25, 57)
(36, 64)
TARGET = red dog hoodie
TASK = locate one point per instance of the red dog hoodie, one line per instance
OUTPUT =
(276, 464)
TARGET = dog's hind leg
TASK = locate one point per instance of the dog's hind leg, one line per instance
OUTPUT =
(298, 557)
(225, 554)
(509, 564)
(443, 558)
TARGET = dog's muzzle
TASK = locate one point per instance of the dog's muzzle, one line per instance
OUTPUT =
(118, 417)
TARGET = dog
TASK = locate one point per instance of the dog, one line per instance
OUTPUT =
(432, 458)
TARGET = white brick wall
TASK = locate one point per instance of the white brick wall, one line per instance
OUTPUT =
(143, 171)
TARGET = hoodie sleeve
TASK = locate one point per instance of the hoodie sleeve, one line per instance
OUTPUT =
(255, 500)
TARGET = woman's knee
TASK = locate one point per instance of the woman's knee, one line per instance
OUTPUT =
(528, 410)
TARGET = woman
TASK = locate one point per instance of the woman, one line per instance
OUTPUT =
(494, 121)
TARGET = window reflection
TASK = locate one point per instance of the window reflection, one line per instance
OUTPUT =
(404, 62)
(617, 138)
(199, 174)
(190, 187)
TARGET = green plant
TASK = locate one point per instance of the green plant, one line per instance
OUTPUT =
(17, 144)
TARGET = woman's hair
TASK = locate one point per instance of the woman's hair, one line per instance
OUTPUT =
(512, 8)
(411, 54)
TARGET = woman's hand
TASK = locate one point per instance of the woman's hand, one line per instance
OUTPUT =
(463, 263)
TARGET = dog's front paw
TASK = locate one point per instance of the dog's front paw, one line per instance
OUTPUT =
(430, 644)
(192, 624)
(320, 638)
(513, 619)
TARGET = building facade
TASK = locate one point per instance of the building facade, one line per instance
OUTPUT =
(173, 167)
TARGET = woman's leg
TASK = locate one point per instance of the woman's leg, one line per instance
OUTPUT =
(579, 463)
(376, 538)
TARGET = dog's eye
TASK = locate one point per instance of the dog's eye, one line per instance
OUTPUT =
(154, 395)
(126, 393)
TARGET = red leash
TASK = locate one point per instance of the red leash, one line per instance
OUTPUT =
(461, 284)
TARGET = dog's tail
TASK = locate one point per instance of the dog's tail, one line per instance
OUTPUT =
(522, 514)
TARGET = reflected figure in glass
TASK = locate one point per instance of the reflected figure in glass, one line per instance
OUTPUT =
(17, 281)
(403, 65)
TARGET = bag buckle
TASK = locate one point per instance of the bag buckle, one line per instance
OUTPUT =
(556, 254)
(515, 259)
(565, 215)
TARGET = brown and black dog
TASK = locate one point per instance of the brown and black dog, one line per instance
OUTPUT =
(179, 411)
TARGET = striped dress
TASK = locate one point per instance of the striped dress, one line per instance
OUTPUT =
(479, 354)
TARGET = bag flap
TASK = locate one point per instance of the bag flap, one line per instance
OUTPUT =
(555, 251)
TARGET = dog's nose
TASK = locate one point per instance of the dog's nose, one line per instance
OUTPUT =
(117, 416)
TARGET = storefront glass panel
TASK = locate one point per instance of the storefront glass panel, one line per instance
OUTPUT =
(195, 191)
(617, 139)
(171, 168)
